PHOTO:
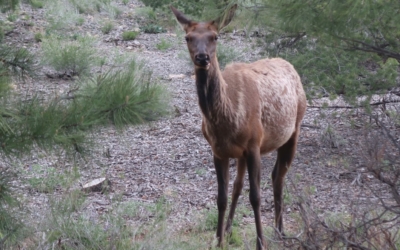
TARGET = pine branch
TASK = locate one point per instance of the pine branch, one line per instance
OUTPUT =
(18, 61)
(380, 50)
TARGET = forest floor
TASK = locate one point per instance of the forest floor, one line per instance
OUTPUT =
(169, 159)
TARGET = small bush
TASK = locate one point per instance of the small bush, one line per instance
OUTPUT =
(75, 57)
(107, 27)
(129, 35)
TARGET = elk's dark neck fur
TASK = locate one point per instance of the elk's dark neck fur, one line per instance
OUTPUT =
(211, 91)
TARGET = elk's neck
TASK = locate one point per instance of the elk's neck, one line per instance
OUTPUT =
(211, 90)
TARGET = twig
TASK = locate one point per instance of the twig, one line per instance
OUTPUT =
(354, 107)
(310, 126)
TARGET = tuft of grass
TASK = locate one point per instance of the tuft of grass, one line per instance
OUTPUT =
(48, 179)
(235, 239)
(12, 17)
(37, 4)
(210, 220)
(152, 29)
(146, 13)
(80, 21)
(38, 37)
(163, 45)
(107, 27)
(129, 35)
(69, 227)
(11, 226)
(62, 16)
(76, 56)
(113, 11)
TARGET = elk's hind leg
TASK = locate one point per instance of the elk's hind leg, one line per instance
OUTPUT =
(284, 160)
(237, 189)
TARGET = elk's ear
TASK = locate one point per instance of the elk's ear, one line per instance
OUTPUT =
(225, 19)
(182, 19)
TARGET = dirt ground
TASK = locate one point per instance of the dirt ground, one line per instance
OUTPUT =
(170, 158)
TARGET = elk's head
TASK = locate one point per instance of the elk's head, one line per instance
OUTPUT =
(201, 37)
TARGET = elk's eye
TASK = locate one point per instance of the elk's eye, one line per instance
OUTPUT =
(216, 38)
(187, 39)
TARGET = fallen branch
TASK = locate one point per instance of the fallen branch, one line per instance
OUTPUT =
(353, 107)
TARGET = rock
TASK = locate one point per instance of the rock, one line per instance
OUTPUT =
(97, 185)
(136, 43)
(178, 76)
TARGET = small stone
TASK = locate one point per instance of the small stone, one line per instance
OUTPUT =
(136, 43)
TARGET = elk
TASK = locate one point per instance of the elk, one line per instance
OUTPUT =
(247, 110)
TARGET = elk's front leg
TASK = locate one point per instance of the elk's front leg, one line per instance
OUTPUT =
(222, 170)
(253, 160)
(237, 189)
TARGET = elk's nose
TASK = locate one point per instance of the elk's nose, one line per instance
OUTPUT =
(202, 58)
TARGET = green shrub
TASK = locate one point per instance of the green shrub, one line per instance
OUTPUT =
(75, 57)
(129, 35)
(107, 27)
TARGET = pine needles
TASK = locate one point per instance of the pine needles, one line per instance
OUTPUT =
(121, 96)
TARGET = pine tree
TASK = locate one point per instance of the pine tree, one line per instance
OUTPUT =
(348, 48)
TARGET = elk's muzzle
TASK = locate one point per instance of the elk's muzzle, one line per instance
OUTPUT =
(202, 59)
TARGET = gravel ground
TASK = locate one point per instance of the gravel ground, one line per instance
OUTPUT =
(170, 158)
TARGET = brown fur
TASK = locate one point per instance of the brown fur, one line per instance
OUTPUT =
(248, 110)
